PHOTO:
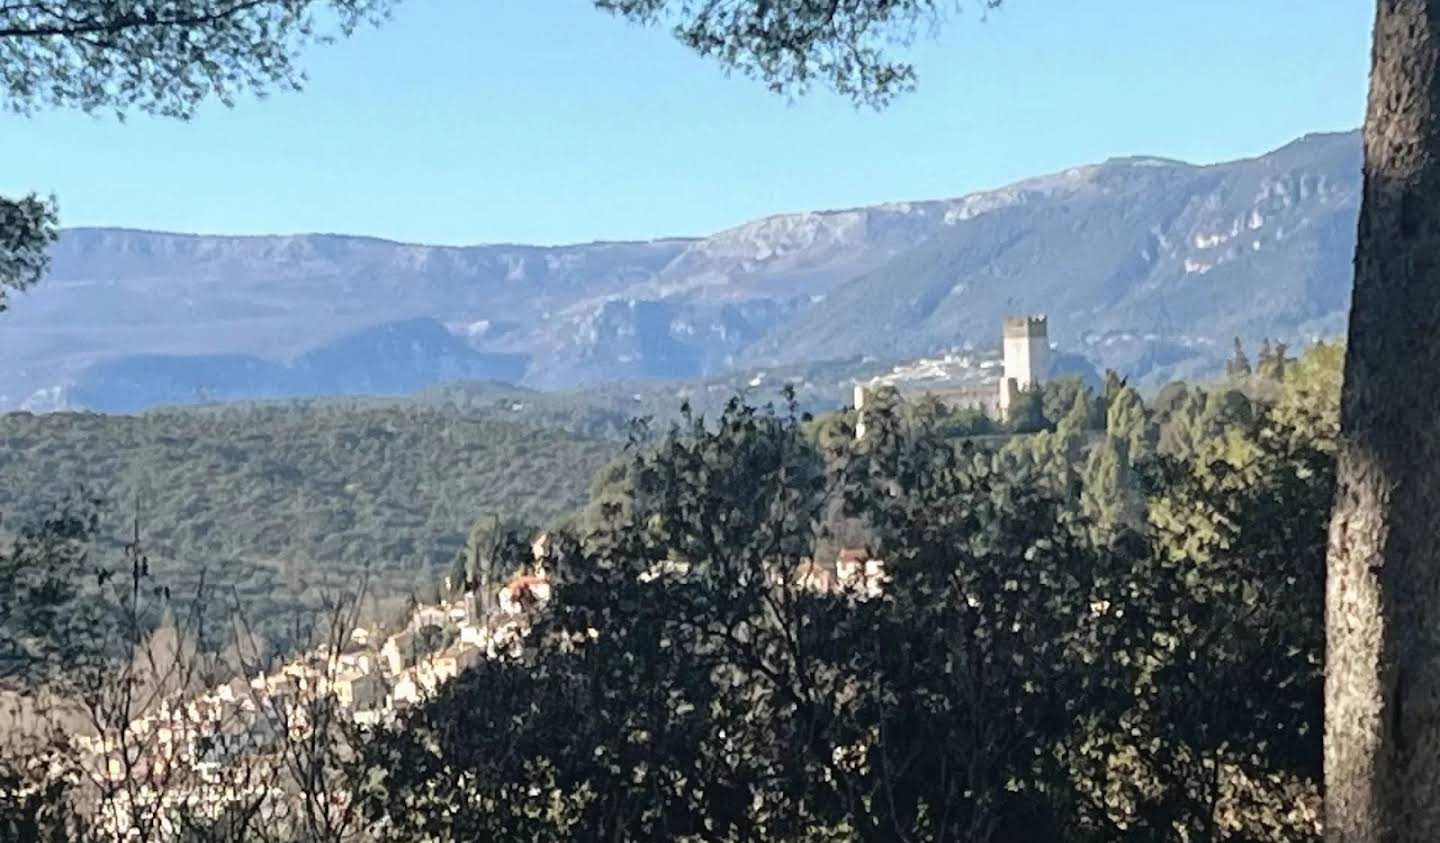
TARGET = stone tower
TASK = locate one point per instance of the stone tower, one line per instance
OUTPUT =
(1027, 357)
(860, 395)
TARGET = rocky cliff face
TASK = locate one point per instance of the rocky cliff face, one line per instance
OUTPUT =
(1144, 264)
(1141, 263)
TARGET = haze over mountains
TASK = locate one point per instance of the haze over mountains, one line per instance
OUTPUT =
(1146, 265)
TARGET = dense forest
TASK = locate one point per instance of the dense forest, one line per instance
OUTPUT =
(283, 502)
(1110, 629)
(1104, 624)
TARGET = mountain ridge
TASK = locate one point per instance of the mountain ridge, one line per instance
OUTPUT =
(1138, 259)
(390, 241)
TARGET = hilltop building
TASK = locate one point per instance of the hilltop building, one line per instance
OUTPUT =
(1025, 362)
(1026, 344)
(860, 393)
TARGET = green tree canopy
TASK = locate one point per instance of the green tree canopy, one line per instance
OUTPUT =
(791, 47)
(1024, 677)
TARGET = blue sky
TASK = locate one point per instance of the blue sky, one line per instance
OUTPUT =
(544, 121)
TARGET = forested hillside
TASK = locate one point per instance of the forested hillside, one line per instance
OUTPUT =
(284, 501)
(1105, 616)
(597, 412)
(1109, 629)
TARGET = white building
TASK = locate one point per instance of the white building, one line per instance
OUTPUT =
(1027, 357)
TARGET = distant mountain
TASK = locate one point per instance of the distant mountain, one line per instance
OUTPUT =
(396, 358)
(1144, 264)
(1178, 257)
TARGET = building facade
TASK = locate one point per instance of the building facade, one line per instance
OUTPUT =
(1026, 346)
(1025, 363)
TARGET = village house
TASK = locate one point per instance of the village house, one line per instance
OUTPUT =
(406, 689)
(428, 616)
(814, 577)
(525, 593)
(360, 636)
(399, 651)
(453, 661)
(474, 635)
(359, 692)
(857, 569)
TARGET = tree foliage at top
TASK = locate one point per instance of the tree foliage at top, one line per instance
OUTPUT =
(27, 228)
(845, 45)
(162, 58)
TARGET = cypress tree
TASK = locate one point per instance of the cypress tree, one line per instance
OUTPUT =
(1238, 366)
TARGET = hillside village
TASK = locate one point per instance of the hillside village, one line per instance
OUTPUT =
(203, 752)
(192, 745)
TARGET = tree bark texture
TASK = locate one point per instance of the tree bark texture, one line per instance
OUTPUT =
(1382, 614)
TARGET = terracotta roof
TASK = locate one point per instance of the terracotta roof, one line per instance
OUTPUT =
(854, 554)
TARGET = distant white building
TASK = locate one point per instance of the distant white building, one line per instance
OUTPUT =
(399, 652)
(857, 570)
(359, 691)
(523, 594)
(1026, 361)
(1027, 357)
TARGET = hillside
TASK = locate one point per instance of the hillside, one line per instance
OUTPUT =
(282, 502)
(1146, 265)
(391, 359)
(1142, 264)
(607, 410)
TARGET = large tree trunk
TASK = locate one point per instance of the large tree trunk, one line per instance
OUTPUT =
(1382, 614)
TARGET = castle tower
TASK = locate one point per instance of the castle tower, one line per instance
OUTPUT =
(860, 393)
(1027, 357)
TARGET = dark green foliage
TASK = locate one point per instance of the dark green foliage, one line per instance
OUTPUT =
(1238, 366)
(1151, 673)
(1170, 398)
(1271, 363)
(661, 726)
(47, 567)
(1310, 402)
(1080, 638)
(33, 808)
(1027, 414)
(1061, 397)
(965, 422)
(1111, 387)
(161, 58)
(27, 228)
(280, 505)
(1127, 421)
(1111, 499)
(987, 573)
(791, 46)
(494, 550)
(948, 421)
